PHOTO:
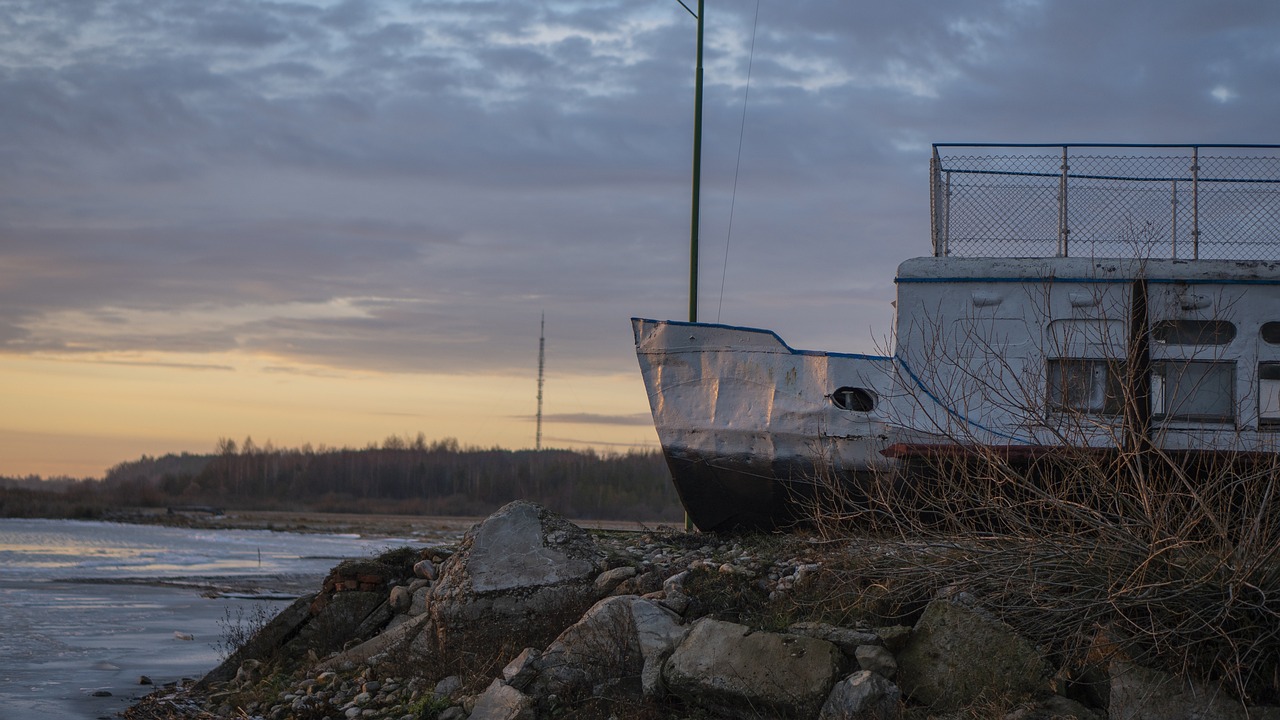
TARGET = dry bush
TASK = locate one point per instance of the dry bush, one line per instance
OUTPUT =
(1175, 557)
(1178, 564)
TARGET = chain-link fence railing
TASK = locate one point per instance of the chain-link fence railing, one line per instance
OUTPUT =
(1115, 201)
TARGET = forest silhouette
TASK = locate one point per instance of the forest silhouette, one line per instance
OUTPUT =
(400, 475)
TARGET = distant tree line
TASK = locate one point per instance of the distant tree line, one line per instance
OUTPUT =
(400, 475)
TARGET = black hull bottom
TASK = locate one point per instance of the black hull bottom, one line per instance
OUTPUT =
(956, 487)
(725, 493)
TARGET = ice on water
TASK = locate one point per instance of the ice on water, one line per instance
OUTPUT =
(91, 606)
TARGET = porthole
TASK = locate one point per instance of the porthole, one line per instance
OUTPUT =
(1271, 333)
(855, 399)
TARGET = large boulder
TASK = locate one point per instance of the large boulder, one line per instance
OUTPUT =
(957, 654)
(728, 668)
(517, 579)
(623, 638)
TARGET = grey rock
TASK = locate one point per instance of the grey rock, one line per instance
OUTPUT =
(284, 625)
(847, 640)
(675, 597)
(894, 637)
(658, 629)
(510, 574)
(502, 702)
(864, 695)
(1139, 693)
(610, 579)
(651, 683)
(730, 669)
(376, 619)
(448, 686)
(1054, 707)
(250, 672)
(396, 621)
(514, 549)
(520, 671)
(399, 599)
(401, 635)
(418, 603)
(957, 653)
(453, 713)
(675, 583)
(425, 569)
(614, 639)
(876, 659)
(675, 603)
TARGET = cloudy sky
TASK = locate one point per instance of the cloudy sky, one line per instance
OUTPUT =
(331, 222)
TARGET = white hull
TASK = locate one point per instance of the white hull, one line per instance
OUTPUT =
(752, 428)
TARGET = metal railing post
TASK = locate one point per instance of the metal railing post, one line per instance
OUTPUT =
(935, 210)
(946, 218)
(1063, 230)
(933, 201)
(1173, 224)
(1195, 202)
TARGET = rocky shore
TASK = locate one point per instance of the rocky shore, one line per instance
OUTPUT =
(530, 616)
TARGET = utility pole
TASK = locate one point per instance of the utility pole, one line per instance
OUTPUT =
(542, 349)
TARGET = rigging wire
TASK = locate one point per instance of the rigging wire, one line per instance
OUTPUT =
(742, 128)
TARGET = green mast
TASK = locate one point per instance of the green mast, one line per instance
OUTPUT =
(697, 174)
(697, 183)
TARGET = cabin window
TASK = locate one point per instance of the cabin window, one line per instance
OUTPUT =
(1084, 385)
(1193, 332)
(1271, 333)
(855, 399)
(1193, 390)
(1269, 394)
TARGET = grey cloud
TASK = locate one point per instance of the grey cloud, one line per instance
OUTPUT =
(455, 177)
(239, 29)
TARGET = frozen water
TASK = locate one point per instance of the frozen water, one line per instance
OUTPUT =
(92, 606)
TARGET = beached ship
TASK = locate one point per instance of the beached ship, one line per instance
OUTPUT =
(1076, 296)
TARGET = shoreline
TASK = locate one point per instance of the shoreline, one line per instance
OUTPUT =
(426, 527)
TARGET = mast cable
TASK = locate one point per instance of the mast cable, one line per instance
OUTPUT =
(742, 131)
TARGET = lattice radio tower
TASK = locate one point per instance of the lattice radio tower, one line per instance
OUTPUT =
(542, 350)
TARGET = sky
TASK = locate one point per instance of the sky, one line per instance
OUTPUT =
(333, 222)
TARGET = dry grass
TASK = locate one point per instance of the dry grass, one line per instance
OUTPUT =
(1175, 562)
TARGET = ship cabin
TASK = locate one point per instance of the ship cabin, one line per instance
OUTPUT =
(1094, 295)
